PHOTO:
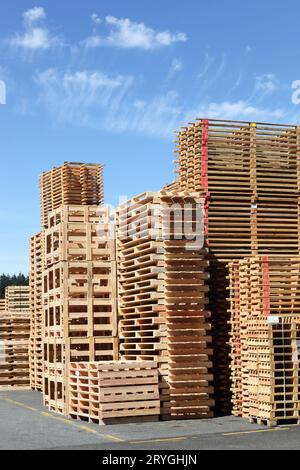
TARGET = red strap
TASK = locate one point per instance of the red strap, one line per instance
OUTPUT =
(204, 161)
(204, 174)
(266, 285)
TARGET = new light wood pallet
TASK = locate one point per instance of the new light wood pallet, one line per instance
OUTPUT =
(188, 331)
(36, 310)
(2, 305)
(249, 175)
(150, 316)
(114, 392)
(80, 299)
(265, 332)
(17, 299)
(79, 233)
(14, 342)
(79, 295)
(59, 352)
(71, 183)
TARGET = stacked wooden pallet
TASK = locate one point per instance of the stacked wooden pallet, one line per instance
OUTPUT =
(71, 183)
(17, 299)
(265, 334)
(2, 305)
(79, 295)
(14, 342)
(249, 175)
(162, 284)
(36, 310)
(114, 392)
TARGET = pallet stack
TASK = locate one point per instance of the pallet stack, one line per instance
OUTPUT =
(162, 285)
(2, 305)
(264, 337)
(114, 392)
(17, 299)
(79, 295)
(71, 183)
(37, 264)
(14, 343)
(249, 175)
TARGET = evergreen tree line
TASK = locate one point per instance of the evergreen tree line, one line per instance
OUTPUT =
(14, 280)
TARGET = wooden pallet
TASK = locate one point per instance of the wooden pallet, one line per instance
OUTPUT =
(109, 392)
(188, 332)
(249, 175)
(79, 295)
(17, 299)
(71, 183)
(14, 343)
(80, 299)
(154, 270)
(79, 233)
(37, 264)
(59, 352)
(265, 333)
(2, 305)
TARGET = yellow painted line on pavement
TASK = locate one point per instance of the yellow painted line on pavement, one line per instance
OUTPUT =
(166, 439)
(57, 418)
(114, 438)
(86, 428)
(240, 433)
(27, 407)
(64, 420)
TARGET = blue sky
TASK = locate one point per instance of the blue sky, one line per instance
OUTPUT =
(109, 81)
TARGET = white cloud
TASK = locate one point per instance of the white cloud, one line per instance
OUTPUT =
(267, 83)
(81, 96)
(176, 66)
(208, 61)
(36, 38)
(34, 14)
(36, 35)
(97, 100)
(234, 110)
(127, 34)
(159, 116)
(95, 18)
(213, 78)
(110, 102)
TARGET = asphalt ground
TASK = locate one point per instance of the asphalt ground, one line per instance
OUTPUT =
(26, 425)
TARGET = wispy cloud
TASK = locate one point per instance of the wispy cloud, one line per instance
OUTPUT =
(34, 14)
(96, 19)
(77, 97)
(127, 34)
(267, 83)
(236, 83)
(212, 78)
(176, 66)
(208, 61)
(249, 49)
(234, 110)
(97, 100)
(158, 116)
(36, 35)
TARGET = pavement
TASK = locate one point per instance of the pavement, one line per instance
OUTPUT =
(26, 425)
